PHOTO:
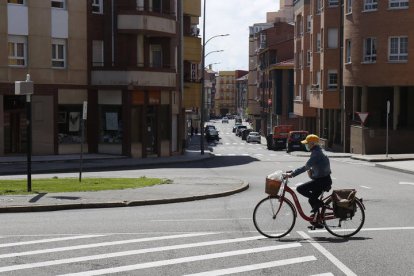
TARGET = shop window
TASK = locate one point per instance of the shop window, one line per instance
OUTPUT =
(110, 124)
(69, 124)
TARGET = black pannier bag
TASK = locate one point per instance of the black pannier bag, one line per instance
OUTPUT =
(343, 201)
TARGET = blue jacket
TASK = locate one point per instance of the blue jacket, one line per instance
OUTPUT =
(318, 163)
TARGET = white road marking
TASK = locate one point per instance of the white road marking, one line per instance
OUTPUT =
(333, 178)
(227, 143)
(235, 143)
(214, 219)
(327, 254)
(246, 268)
(406, 183)
(101, 244)
(366, 187)
(324, 274)
(245, 154)
(231, 154)
(49, 240)
(367, 229)
(183, 260)
(123, 253)
(218, 154)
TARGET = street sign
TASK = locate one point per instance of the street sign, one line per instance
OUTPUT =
(23, 87)
(363, 116)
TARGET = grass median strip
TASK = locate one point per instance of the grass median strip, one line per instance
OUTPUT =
(61, 185)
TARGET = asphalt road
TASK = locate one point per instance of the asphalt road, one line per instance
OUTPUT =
(217, 236)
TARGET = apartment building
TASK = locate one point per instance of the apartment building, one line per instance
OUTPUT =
(225, 96)
(378, 68)
(253, 92)
(134, 99)
(275, 71)
(48, 40)
(121, 57)
(318, 66)
(192, 53)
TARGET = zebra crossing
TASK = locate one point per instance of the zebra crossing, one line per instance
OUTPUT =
(195, 253)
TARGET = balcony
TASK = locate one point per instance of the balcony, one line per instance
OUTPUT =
(134, 77)
(192, 49)
(139, 22)
(192, 7)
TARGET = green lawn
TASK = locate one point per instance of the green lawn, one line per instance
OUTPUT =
(58, 185)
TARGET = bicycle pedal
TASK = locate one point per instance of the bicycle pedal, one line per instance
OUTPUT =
(311, 227)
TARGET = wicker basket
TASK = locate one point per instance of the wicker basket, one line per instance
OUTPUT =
(272, 186)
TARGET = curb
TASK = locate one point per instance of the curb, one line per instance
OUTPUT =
(394, 169)
(88, 167)
(46, 208)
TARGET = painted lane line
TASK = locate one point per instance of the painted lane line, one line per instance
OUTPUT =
(367, 229)
(123, 254)
(49, 240)
(246, 268)
(327, 254)
(183, 260)
(217, 219)
(102, 244)
(366, 187)
(406, 183)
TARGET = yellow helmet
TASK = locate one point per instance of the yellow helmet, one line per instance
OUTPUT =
(311, 138)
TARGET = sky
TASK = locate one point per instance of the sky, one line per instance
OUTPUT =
(232, 17)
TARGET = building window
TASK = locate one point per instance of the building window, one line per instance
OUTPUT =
(319, 6)
(299, 96)
(69, 124)
(332, 38)
(309, 23)
(370, 50)
(398, 4)
(332, 79)
(58, 53)
(156, 56)
(370, 5)
(97, 53)
(17, 2)
(17, 47)
(318, 42)
(58, 4)
(348, 6)
(348, 51)
(333, 3)
(398, 48)
(97, 6)
(308, 58)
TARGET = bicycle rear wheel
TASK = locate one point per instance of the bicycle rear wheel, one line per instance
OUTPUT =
(271, 221)
(344, 228)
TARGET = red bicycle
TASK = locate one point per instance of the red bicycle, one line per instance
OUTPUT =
(275, 215)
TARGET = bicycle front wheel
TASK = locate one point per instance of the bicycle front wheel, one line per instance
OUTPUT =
(344, 228)
(272, 218)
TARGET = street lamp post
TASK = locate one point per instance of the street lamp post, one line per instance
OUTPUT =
(203, 65)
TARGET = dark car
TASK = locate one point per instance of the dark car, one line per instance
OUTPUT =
(235, 126)
(293, 141)
(239, 130)
(212, 134)
(245, 133)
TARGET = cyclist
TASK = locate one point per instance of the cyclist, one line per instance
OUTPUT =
(319, 171)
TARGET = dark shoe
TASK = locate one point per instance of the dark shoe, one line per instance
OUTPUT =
(316, 225)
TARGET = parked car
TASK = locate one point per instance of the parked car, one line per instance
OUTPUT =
(277, 139)
(254, 137)
(212, 134)
(245, 133)
(207, 127)
(235, 126)
(239, 129)
(293, 142)
(225, 120)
